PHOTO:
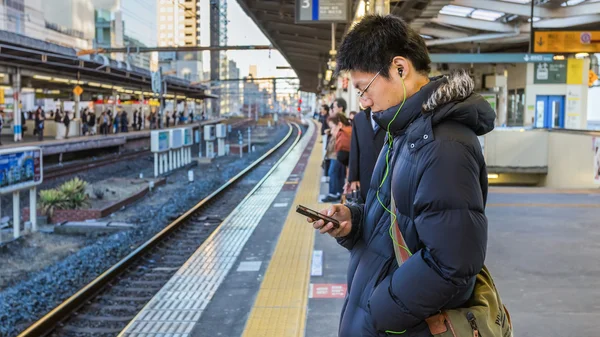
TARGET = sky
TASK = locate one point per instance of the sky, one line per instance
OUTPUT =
(243, 31)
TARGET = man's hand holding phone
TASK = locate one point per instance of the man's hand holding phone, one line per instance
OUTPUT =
(340, 213)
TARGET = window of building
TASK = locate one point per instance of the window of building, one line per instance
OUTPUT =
(516, 107)
(162, 9)
(162, 18)
(169, 26)
(162, 35)
(188, 35)
(170, 35)
(170, 18)
(170, 9)
(188, 17)
(163, 26)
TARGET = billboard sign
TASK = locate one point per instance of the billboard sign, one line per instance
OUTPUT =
(20, 168)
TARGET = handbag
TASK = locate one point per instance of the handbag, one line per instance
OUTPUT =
(482, 315)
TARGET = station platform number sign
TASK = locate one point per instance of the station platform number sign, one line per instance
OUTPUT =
(320, 11)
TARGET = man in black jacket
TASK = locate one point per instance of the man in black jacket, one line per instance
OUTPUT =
(429, 184)
(366, 143)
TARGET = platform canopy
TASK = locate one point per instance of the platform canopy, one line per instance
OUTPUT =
(448, 26)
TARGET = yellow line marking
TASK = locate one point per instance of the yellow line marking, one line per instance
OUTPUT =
(280, 307)
(545, 205)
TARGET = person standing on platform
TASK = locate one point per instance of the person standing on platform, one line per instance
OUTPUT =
(418, 243)
(39, 123)
(91, 121)
(367, 141)
(340, 106)
(124, 122)
(105, 122)
(340, 134)
(66, 122)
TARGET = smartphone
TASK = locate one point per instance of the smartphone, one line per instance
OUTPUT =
(314, 215)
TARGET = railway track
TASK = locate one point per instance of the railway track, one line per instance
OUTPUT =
(68, 169)
(103, 307)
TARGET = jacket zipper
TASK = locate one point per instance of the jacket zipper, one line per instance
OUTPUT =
(473, 323)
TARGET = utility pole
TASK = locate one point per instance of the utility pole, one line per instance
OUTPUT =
(214, 54)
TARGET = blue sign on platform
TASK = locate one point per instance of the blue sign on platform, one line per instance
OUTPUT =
(491, 58)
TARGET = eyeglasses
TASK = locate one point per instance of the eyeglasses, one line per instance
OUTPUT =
(361, 93)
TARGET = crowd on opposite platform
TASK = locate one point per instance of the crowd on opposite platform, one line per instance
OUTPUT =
(351, 144)
(105, 123)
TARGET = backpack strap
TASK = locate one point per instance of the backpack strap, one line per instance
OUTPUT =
(400, 248)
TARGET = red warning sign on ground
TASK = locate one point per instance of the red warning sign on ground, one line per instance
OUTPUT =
(327, 290)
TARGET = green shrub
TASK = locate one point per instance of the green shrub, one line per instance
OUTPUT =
(70, 195)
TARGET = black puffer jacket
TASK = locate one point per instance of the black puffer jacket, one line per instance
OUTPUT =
(439, 181)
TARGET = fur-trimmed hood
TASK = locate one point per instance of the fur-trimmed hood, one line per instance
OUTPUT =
(455, 100)
(447, 97)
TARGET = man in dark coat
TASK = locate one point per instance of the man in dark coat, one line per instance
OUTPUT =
(434, 171)
(367, 141)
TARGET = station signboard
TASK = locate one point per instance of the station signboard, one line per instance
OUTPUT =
(550, 72)
(320, 11)
(20, 168)
(176, 138)
(566, 41)
(159, 141)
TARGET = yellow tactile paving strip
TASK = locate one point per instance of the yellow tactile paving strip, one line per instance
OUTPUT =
(280, 307)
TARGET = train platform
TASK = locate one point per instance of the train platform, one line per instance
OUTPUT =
(266, 272)
(52, 146)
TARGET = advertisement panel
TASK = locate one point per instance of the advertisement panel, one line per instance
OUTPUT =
(20, 168)
(187, 137)
(176, 138)
(159, 141)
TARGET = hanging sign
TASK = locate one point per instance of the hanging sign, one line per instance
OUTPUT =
(320, 11)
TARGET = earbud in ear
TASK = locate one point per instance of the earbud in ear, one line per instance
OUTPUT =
(400, 70)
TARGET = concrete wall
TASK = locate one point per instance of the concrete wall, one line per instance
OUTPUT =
(516, 148)
(517, 76)
(570, 161)
(576, 98)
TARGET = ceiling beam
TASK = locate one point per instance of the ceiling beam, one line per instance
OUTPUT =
(293, 55)
(506, 7)
(474, 38)
(297, 29)
(307, 46)
(275, 6)
(568, 22)
(282, 37)
(491, 26)
(525, 10)
(442, 33)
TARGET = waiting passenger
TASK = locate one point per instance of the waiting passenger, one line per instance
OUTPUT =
(366, 144)
(66, 122)
(91, 121)
(428, 191)
(124, 122)
(340, 134)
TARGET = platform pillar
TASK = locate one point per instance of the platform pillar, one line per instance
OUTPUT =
(18, 128)
(170, 161)
(16, 215)
(155, 164)
(33, 208)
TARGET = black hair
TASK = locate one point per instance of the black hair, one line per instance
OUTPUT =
(326, 107)
(341, 103)
(372, 44)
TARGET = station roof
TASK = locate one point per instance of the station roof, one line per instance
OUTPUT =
(448, 26)
(46, 58)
